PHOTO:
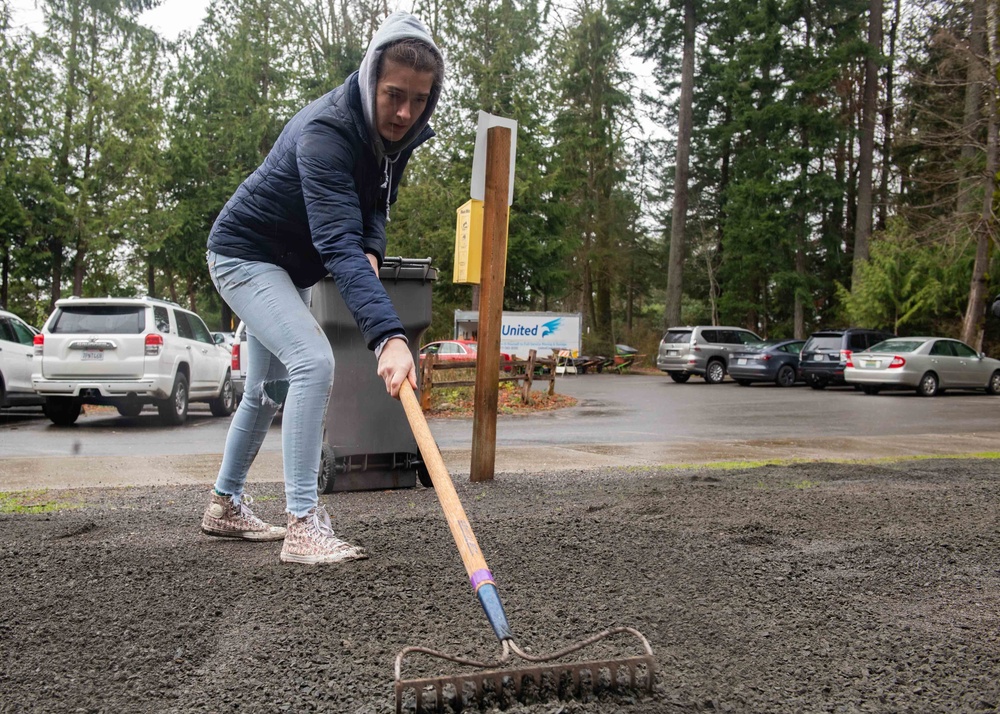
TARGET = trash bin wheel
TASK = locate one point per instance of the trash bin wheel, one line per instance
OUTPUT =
(327, 469)
(424, 476)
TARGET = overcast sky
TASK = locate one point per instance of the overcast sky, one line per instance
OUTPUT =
(169, 19)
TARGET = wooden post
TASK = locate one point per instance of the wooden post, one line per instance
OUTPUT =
(528, 375)
(494, 269)
(426, 380)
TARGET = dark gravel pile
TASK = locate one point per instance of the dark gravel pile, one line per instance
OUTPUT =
(819, 587)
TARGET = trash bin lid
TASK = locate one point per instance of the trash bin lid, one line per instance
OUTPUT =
(397, 268)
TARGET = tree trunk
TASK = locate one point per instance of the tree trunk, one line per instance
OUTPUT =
(888, 120)
(799, 318)
(226, 318)
(972, 113)
(863, 222)
(5, 278)
(69, 112)
(678, 222)
(975, 311)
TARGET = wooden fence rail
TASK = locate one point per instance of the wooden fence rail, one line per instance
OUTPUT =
(527, 372)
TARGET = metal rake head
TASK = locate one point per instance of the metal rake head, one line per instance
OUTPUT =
(540, 681)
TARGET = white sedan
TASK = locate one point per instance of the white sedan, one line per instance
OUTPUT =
(927, 364)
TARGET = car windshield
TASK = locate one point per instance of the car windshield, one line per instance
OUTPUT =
(101, 319)
(896, 346)
(822, 342)
(677, 336)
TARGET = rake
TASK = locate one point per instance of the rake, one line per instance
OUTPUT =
(498, 682)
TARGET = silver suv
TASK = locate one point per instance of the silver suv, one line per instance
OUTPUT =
(129, 352)
(701, 350)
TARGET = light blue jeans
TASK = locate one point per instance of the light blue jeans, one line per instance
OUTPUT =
(289, 360)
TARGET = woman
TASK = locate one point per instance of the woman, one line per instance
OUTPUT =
(317, 205)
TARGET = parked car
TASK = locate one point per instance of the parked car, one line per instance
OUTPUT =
(16, 354)
(927, 364)
(703, 350)
(773, 361)
(224, 339)
(455, 350)
(238, 360)
(825, 354)
(129, 352)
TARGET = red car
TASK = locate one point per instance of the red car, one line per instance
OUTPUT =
(455, 350)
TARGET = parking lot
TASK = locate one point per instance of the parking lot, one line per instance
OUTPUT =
(619, 420)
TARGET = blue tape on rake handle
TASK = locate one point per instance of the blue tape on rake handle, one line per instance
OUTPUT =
(489, 598)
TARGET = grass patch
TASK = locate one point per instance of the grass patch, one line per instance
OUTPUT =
(735, 465)
(33, 502)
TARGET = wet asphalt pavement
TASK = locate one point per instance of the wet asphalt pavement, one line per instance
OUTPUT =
(620, 420)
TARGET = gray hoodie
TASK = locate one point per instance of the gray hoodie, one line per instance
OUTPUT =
(398, 26)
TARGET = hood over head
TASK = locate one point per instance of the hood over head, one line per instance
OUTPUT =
(398, 26)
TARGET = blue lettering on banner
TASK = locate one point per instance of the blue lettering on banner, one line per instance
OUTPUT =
(518, 331)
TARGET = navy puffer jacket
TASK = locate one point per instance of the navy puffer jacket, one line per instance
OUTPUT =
(318, 204)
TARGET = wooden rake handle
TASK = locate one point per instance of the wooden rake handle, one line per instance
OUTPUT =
(480, 576)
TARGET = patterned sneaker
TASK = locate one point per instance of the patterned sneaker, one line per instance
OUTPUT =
(226, 520)
(311, 540)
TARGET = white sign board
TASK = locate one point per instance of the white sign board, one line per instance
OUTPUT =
(521, 332)
(486, 121)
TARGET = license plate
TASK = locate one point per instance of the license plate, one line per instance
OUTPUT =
(872, 363)
(818, 358)
(741, 360)
(671, 353)
(93, 355)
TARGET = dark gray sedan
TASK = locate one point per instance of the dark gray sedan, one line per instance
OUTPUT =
(772, 361)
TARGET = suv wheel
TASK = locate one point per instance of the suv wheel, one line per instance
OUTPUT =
(816, 382)
(225, 403)
(129, 407)
(63, 411)
(173, 410)
(679, 377)
(715, 372)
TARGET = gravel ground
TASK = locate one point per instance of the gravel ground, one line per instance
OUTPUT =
(815, 587)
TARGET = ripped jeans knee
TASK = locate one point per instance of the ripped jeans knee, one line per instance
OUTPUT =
(274, 392)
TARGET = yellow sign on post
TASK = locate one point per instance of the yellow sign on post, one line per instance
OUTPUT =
(469, 243)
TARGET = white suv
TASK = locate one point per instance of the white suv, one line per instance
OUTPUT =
(128, 352)
(16, 352)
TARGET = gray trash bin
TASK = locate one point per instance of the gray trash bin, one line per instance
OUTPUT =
(368, 443)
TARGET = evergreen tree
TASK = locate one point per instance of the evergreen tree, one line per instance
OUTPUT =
(233, 89)
(594, 111)
(493, 51)
(99, 53)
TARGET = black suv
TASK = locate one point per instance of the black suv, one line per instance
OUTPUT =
(825, 353)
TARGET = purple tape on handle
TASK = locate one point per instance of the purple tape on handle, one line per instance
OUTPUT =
(479, 578)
